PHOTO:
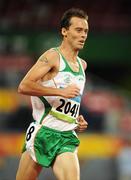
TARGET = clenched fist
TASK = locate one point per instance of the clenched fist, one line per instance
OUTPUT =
(82, 124)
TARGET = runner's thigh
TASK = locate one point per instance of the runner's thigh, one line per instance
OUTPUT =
(28, 169)
(66, 166)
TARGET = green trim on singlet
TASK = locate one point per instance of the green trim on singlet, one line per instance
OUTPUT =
(68, 68)
(47, 108)
(63, 117)
(82, 72)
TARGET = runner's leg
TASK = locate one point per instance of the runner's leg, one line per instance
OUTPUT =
(66, 166)
(28, 169)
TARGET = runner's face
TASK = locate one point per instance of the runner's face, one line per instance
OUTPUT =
(77, 33)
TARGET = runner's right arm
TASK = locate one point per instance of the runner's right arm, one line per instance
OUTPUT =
(30, 84)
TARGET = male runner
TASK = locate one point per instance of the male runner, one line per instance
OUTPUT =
(55, 84)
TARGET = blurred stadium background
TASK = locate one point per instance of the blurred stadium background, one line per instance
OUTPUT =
(28, 28)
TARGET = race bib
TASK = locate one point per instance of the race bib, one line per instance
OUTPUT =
(65, 109)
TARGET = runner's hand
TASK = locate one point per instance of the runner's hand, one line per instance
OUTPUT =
(70, 91)
(82, 124)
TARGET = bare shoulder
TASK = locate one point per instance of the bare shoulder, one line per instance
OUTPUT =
(49, 57)
(84, 63)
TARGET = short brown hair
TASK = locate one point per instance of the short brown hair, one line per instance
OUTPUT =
(73, 12)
